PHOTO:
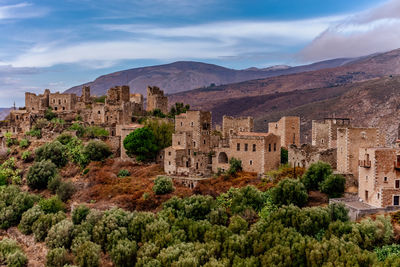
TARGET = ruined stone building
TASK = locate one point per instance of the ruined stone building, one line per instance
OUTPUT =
(324, 132)
(288, 128)
(197, 150)
(156, 99)
(349, 142)
(306, 154)
(379, 176)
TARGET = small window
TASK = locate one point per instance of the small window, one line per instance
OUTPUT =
(385, 179)
(254, 147)
(169, 162)
(98, 112)
(396, 200)
(192, 123)
(246, 147)
(238, 147)
(274, 146)
(378, 196)
(204, 141)
(322, 141)
(397, 184)
(181, 123)
(269, 147)
(189, 152)
(366, 177)
(169, 153)
(194, 144)
(179, 143)
(251, 162)
(63, 108)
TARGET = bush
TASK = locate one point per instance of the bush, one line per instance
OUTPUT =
(235, 166)
(387, 251)
(9, 174)
(51, 205)
(316, 174)
(289, 191)
(54, 151)
(124, 253)
(142, 144)
(40, 173)
(54, 184)
(95, 132)
(11, 253)
(42, 225)
(163, 185)
(60, 235)
(97, 151)
(27, 156)
(123, 173)
(28, 218)
(88, 255)
(65, 138)
(239, 200)
(35, 133)
(57, 257)
(65, 191)
(24, 143)
(79, 214)
(333, 185)
(49, 114)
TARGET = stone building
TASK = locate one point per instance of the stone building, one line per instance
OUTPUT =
(349, 142)
(324, 132)
(306, 154)
(231, 125)
(288, 128)
(379, 176)
(259, 152)
(156, 99)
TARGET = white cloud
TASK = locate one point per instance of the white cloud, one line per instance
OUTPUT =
(375, 30)
(20, 11)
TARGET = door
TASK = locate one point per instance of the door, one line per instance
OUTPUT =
(366, 195)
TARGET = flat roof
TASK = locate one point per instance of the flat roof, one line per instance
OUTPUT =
(253, 134)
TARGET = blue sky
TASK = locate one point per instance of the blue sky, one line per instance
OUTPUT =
(59, 44)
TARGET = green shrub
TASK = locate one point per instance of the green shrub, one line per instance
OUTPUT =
(28, 218)
(27, 156)
(238, 225)
(289, 191)
(49, 114)
(51, 205)
(123, 173)
(35, 133)
(88, 255)
(95, 132)
(13, 203)
(284, 155)
(124, 253)
(57, 257)
(163, 185)
(24, 143)
(54, 151)
(235, 166)
(65, 191)
(43, 224)
(9, 174)
(60, 235)
(316, 174)
(11, 253)
(239, 200)
(79, 214)
(142, 144)
(387, 251)
(333, 185)
(54, 184)
(65, 138)
(80, 130)
(97, 151)
(40, 173)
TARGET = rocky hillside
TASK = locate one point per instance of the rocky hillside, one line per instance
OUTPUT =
(185, 75)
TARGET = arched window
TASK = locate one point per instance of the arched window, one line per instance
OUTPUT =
(222, 158)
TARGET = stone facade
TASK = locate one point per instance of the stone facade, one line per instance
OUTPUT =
(288, 128)
(156, 99)
(379, 176)
(306, 154)
(232, 125)
(349, 141)
(324, 132)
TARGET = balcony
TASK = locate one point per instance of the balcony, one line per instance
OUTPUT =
(364, 163)
(397, 165)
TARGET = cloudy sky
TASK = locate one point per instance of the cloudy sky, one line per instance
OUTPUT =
(59, 44)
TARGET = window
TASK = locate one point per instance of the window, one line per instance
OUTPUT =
(179, 143)
(169, 153)
(366, 177)
(204, 141)
(378, 196)
(194, 144)
(385, 179)
(192, 123)
(181, 123)
(63, 108)
(189, 152)
(274, 146)
(322, 141)
(269, 147)
(254, 147)
(98, 112)
(366, 195)
(238, 147)
(396, 200)
(169, 162)
(246, 147)
(397, 184)
(59, 101)
(251, 162)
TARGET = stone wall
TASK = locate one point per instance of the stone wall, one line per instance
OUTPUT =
(306, 154)
(288, 128)
(232, 125)
(156, 99)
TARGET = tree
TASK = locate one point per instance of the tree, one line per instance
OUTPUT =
(40, 173)
(316, 174)
(333, 185)
(162, 131)
(142, 144)
(96, 151)
(54, 151)
(179, 108)
(163, 185)
(289, 191)
(235, 166)
(284, 155)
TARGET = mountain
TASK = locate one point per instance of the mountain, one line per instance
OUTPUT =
(187, 75)
(254, 97)
(4, 113)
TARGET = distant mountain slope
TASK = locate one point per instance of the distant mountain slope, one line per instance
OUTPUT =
(222, 99)
(4, 113)
(187, 75)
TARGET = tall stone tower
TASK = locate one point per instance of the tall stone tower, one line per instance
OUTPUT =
(85, 94)
(156, 99)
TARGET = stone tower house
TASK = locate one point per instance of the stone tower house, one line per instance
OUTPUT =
(156, 99)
